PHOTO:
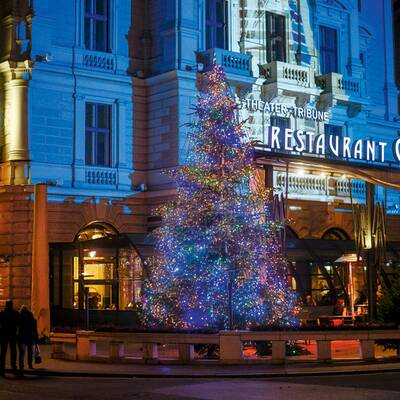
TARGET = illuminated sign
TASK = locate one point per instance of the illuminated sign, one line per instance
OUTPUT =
(283, 110)
(306, 142)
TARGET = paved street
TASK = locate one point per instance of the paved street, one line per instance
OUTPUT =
(384, 386)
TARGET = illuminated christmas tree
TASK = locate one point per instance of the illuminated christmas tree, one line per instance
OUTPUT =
(219, 261)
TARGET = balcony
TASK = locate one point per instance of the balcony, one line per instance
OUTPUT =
(284, 79)
(317, 187)
(232, 62)
(94, 60)
(339, 89)
(100, 176)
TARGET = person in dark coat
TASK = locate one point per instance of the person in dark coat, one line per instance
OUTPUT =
(9, 321)
(27, 337)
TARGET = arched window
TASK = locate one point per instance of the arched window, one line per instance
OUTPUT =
(95, 230)
(101, 270)
(335, 234)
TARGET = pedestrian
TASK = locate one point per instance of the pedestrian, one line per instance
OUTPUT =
(9, 322)
(27, 337)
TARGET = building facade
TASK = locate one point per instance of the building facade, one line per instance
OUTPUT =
(95, 101)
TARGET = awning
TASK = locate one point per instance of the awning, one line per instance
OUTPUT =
(383, 174)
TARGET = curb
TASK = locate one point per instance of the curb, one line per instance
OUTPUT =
(260, 375)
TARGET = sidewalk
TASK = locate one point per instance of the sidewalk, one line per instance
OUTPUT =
(51, 367)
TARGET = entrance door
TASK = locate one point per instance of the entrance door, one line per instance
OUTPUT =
(96, 275)
(108, 270)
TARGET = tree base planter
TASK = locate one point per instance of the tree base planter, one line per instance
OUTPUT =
(230, 345)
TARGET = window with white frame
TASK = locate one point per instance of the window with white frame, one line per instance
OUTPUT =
(276, 37)
(97, 25)
(98, 134)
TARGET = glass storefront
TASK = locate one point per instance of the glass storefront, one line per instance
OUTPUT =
(103, 275)
(320, 279)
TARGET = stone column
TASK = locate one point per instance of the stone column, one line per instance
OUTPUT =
(17, 121)
(230, 350)
(85, 348)
(18, 95)
(150, 352)
(186, 352)
(116, 350)
(278, 351)
(324, 352)
(367, 349)
(40, 261)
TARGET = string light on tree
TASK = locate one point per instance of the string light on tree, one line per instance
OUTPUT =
(219, 262)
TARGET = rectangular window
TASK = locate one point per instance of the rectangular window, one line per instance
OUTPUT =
(328, 50)
(217, 24)
(98, 135)
(276, 37)
(335, 130)
(97, 29)
(332, 130)
(282, 123)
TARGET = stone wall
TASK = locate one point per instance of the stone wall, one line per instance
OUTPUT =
(16, 226)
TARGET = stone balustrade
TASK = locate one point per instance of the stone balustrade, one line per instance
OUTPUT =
(288, 74)
(317, 185)
(358, 188)
(231, 61)
(98, 60)
(340, 85)
(100, 176)
(302, 184)
(230, 344)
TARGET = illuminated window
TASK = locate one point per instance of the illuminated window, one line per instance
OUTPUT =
(276, 37)
(98, 135)
(97, 30)
(216, 24)
(95, 231)
(101, 270)
(335, 234)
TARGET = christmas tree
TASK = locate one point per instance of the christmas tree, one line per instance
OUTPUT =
(218, 261)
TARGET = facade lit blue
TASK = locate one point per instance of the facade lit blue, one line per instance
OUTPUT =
(96, 100)
(65, 77)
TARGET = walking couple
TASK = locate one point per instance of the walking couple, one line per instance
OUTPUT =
(17, 329)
